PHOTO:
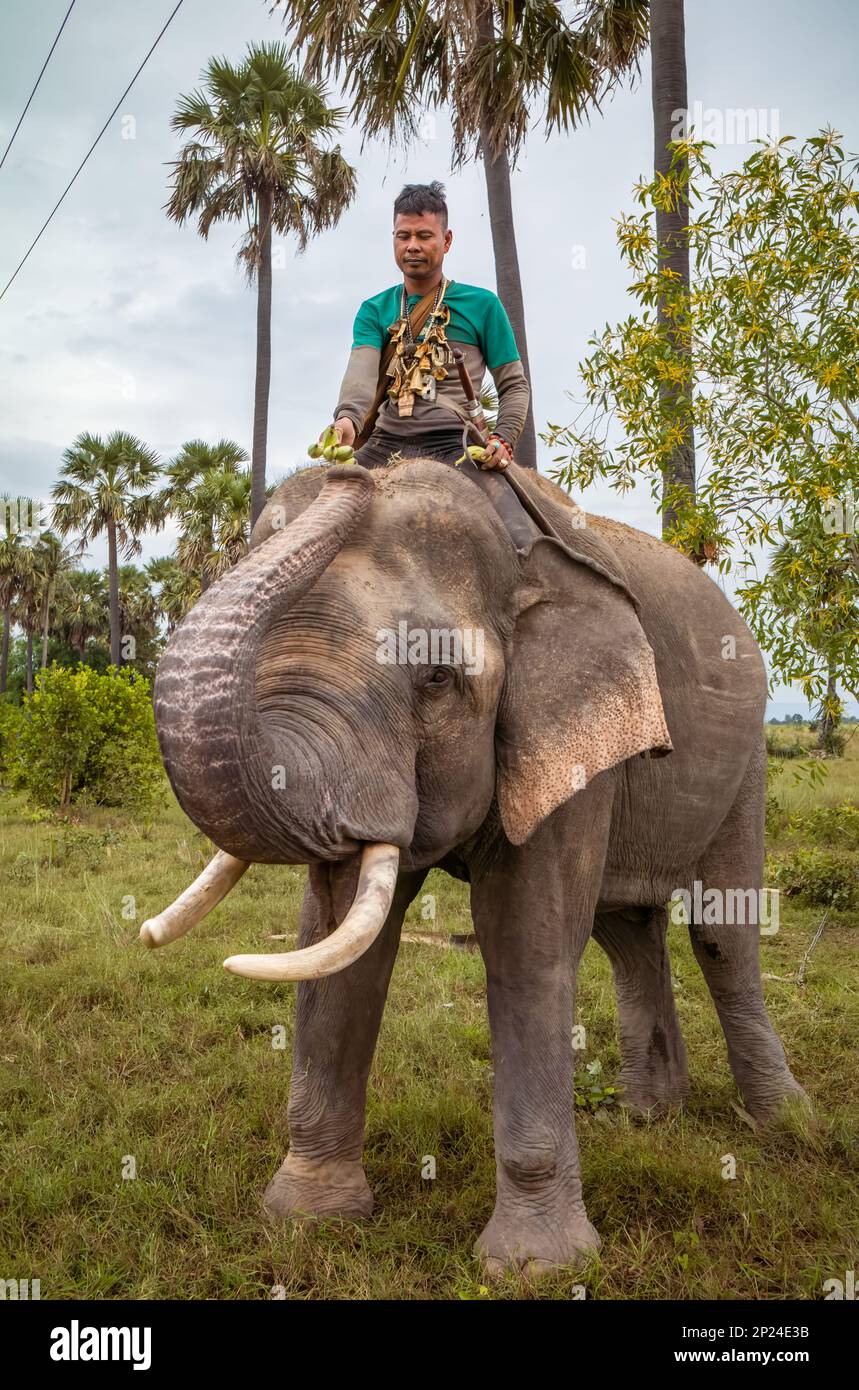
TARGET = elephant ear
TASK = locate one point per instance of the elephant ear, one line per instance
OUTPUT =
(581, 692)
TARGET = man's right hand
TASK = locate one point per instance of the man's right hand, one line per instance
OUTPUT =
(345, 430)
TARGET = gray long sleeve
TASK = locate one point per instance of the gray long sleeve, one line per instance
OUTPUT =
(514, 393)
(359, 385)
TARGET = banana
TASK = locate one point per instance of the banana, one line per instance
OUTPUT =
(320, 449)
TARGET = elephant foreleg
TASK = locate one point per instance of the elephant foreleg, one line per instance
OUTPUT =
(336, 1026)
(533, 912)
(655, 1075)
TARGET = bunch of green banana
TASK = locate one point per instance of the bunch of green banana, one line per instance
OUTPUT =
(476, 453)
(327, 448)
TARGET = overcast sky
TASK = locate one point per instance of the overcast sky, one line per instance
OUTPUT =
(122, 320)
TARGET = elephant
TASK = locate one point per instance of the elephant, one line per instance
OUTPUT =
(605, 752)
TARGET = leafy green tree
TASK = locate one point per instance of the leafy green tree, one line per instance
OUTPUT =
(772, 385)
(106, 487)
(56, 737)
(497, 64)
(11, 724)
(258, 151)
(88, 736)
(814, 563)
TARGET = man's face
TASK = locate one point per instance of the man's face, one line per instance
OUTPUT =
(420, 243)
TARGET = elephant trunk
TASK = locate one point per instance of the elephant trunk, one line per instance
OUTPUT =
(222, 760)
(225, 760)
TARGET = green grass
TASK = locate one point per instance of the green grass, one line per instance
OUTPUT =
(795, 790)
(108, 1051)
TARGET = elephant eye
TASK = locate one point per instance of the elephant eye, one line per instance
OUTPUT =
(439, 678)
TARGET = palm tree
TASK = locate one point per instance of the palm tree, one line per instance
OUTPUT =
(82, 602)
(192, 494)
(50, 559)
(232, 522)
(494, 60)
(105, 487)
(668, 82)
(138, 606)
(258, 151)
(178, 590)
(16, 567)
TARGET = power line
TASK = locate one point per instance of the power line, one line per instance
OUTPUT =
(62, 196)
(38, 80)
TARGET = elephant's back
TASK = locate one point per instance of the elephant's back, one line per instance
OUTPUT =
(695, 631)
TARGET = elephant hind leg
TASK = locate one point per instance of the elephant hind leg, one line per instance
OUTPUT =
(654, 1075)
(727, 949)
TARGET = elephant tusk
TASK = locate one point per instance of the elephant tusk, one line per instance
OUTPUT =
(357, 932)
(220, 875)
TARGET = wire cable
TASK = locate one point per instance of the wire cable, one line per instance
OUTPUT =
(68, 186)
(38, 80)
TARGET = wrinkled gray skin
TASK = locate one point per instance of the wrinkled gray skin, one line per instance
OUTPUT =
(277, 667)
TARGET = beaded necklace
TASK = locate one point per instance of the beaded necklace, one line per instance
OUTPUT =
(420, 363)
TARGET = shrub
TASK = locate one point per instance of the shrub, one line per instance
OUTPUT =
(123, 765)
(11, 720)
(88, 736)
(786, 750)
(821, 876)
(831, 825)
(775, 816)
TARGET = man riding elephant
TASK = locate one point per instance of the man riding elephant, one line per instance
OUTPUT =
(401, 394)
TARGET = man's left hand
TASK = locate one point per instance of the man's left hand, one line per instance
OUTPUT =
(498, 453)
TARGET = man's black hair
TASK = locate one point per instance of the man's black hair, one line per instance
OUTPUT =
(416, 198)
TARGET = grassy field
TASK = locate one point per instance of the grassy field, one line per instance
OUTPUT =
(116, 1060)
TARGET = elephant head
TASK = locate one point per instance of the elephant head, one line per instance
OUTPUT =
(307, 714)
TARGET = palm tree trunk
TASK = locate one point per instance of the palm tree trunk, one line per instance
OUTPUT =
(668, 82)
(508, 281)
(263, 365)
(45, 624)
(4, 649)
(205, 576)
(29, 658)
(113, 585)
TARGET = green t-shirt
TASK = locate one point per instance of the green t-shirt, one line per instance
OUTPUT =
(476, 316)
